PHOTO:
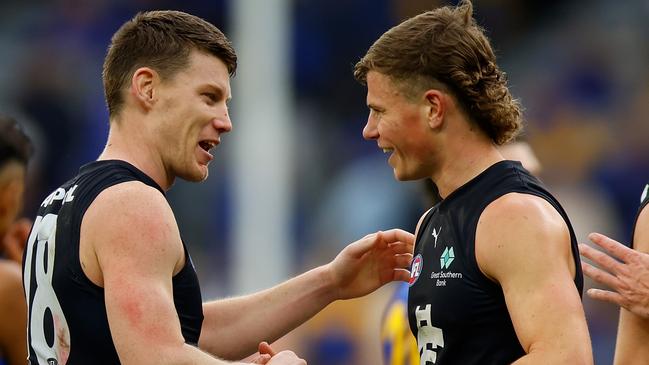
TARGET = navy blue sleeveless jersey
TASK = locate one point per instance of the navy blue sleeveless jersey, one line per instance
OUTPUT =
(644, 199)
(457, 314)
(67, 312)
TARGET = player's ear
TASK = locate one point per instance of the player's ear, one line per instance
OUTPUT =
(143, 86)
(435, 107)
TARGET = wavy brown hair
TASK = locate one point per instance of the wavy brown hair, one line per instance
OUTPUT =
(163, 41)
(445, 49)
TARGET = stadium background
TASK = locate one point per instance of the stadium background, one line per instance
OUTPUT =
(295, 180)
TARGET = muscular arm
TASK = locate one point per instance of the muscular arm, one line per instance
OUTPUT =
(234, 327)
(13, 312)
(524, 244)
(133, 234)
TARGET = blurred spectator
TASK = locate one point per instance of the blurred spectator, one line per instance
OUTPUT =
(15, 150)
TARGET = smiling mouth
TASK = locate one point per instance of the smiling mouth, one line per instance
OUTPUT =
(207, 145)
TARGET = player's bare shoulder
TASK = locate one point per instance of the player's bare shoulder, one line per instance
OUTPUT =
(519, 212)
(521, 206)
(133, 198)
(130, 221)
(517, 227)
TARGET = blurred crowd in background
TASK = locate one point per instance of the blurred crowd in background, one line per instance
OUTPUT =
(580, 68)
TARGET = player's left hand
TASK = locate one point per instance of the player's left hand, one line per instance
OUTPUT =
(629, 278)
(374, 260)
(261, 359)
(263, 355)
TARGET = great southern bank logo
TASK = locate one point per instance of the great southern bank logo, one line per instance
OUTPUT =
(447, 257)
(415, 269)
(445, 261)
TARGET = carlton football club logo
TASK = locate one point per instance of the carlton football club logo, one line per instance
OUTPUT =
(415, 269)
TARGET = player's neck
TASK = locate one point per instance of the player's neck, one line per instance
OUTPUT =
(464, 159)
(131, 145)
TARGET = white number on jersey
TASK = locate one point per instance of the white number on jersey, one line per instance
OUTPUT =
(429, 338)
(52, 347)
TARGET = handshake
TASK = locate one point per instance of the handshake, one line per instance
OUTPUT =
(268, 356)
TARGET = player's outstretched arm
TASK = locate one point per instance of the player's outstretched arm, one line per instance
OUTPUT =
(523, 243)
(369, 263)
(133, 233)
(629, 280)
(234, 327)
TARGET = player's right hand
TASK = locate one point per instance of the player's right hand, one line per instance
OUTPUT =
(281, 358)
(286, 358)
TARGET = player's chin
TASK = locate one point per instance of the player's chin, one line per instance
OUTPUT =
(197, 174)
(398, 176)
(403, 175)
(400, 171)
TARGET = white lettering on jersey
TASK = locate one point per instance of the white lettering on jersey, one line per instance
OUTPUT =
(429, 338)
(60, 194)
(436, 234)
(53, 346)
